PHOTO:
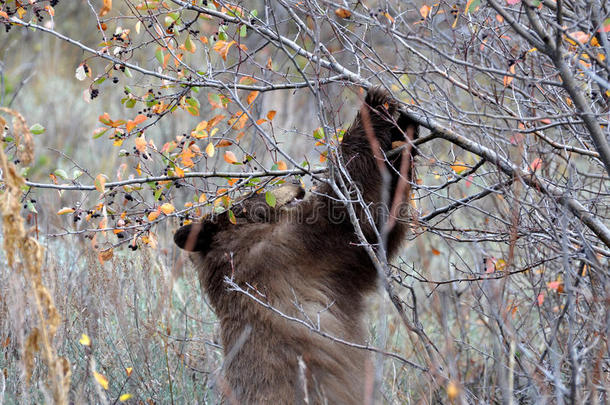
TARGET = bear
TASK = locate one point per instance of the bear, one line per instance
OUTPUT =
(302, 260)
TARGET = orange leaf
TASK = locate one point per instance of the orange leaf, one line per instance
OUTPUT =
(105, 119)
(260, 121)
(508, 79)
(540, 299)
(270, 115)
(435, 252)
(100, 182)
(167, 208)
(140, 118)
(154, 215)
(65, 210)
(459, 167)
(129, 370)
(580, 37)
(104, 256)
(247, 80)
(230, 157)
(212, 123)
(424, 11)
(251, 97)
(222, 47)
(224, 143)
(105, 10)
(281, 165)
(130, 125)
(343, 13)
(141, 144)
(535, 165)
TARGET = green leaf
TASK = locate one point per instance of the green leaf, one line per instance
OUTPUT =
(130, 103)
(37, 129)
(192, 102)
(188, 44)
(472, 5)
(100, 133)
(159, 56)
(127, 72)
(31, 207)
(319, 133)
(61, 173)
(232, 217)
(270, 198)
(243, 31)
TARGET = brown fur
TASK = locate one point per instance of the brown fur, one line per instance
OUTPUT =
(298, 260)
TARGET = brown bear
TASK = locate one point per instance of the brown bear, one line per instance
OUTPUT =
(304, 260)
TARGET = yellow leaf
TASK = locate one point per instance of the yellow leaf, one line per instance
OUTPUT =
(230, 157)
(201, 126)
(167, 208)
(452, 390)
(129, 370)
(125, 397)
(210, 149)
(251, 97)
(100, 182)
(179, 172)
(65, 210)
(84, 340)
(103, 381)
(459, 167)
(202, 198)
(21, 11)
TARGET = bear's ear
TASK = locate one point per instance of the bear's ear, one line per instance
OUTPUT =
(196, 237)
